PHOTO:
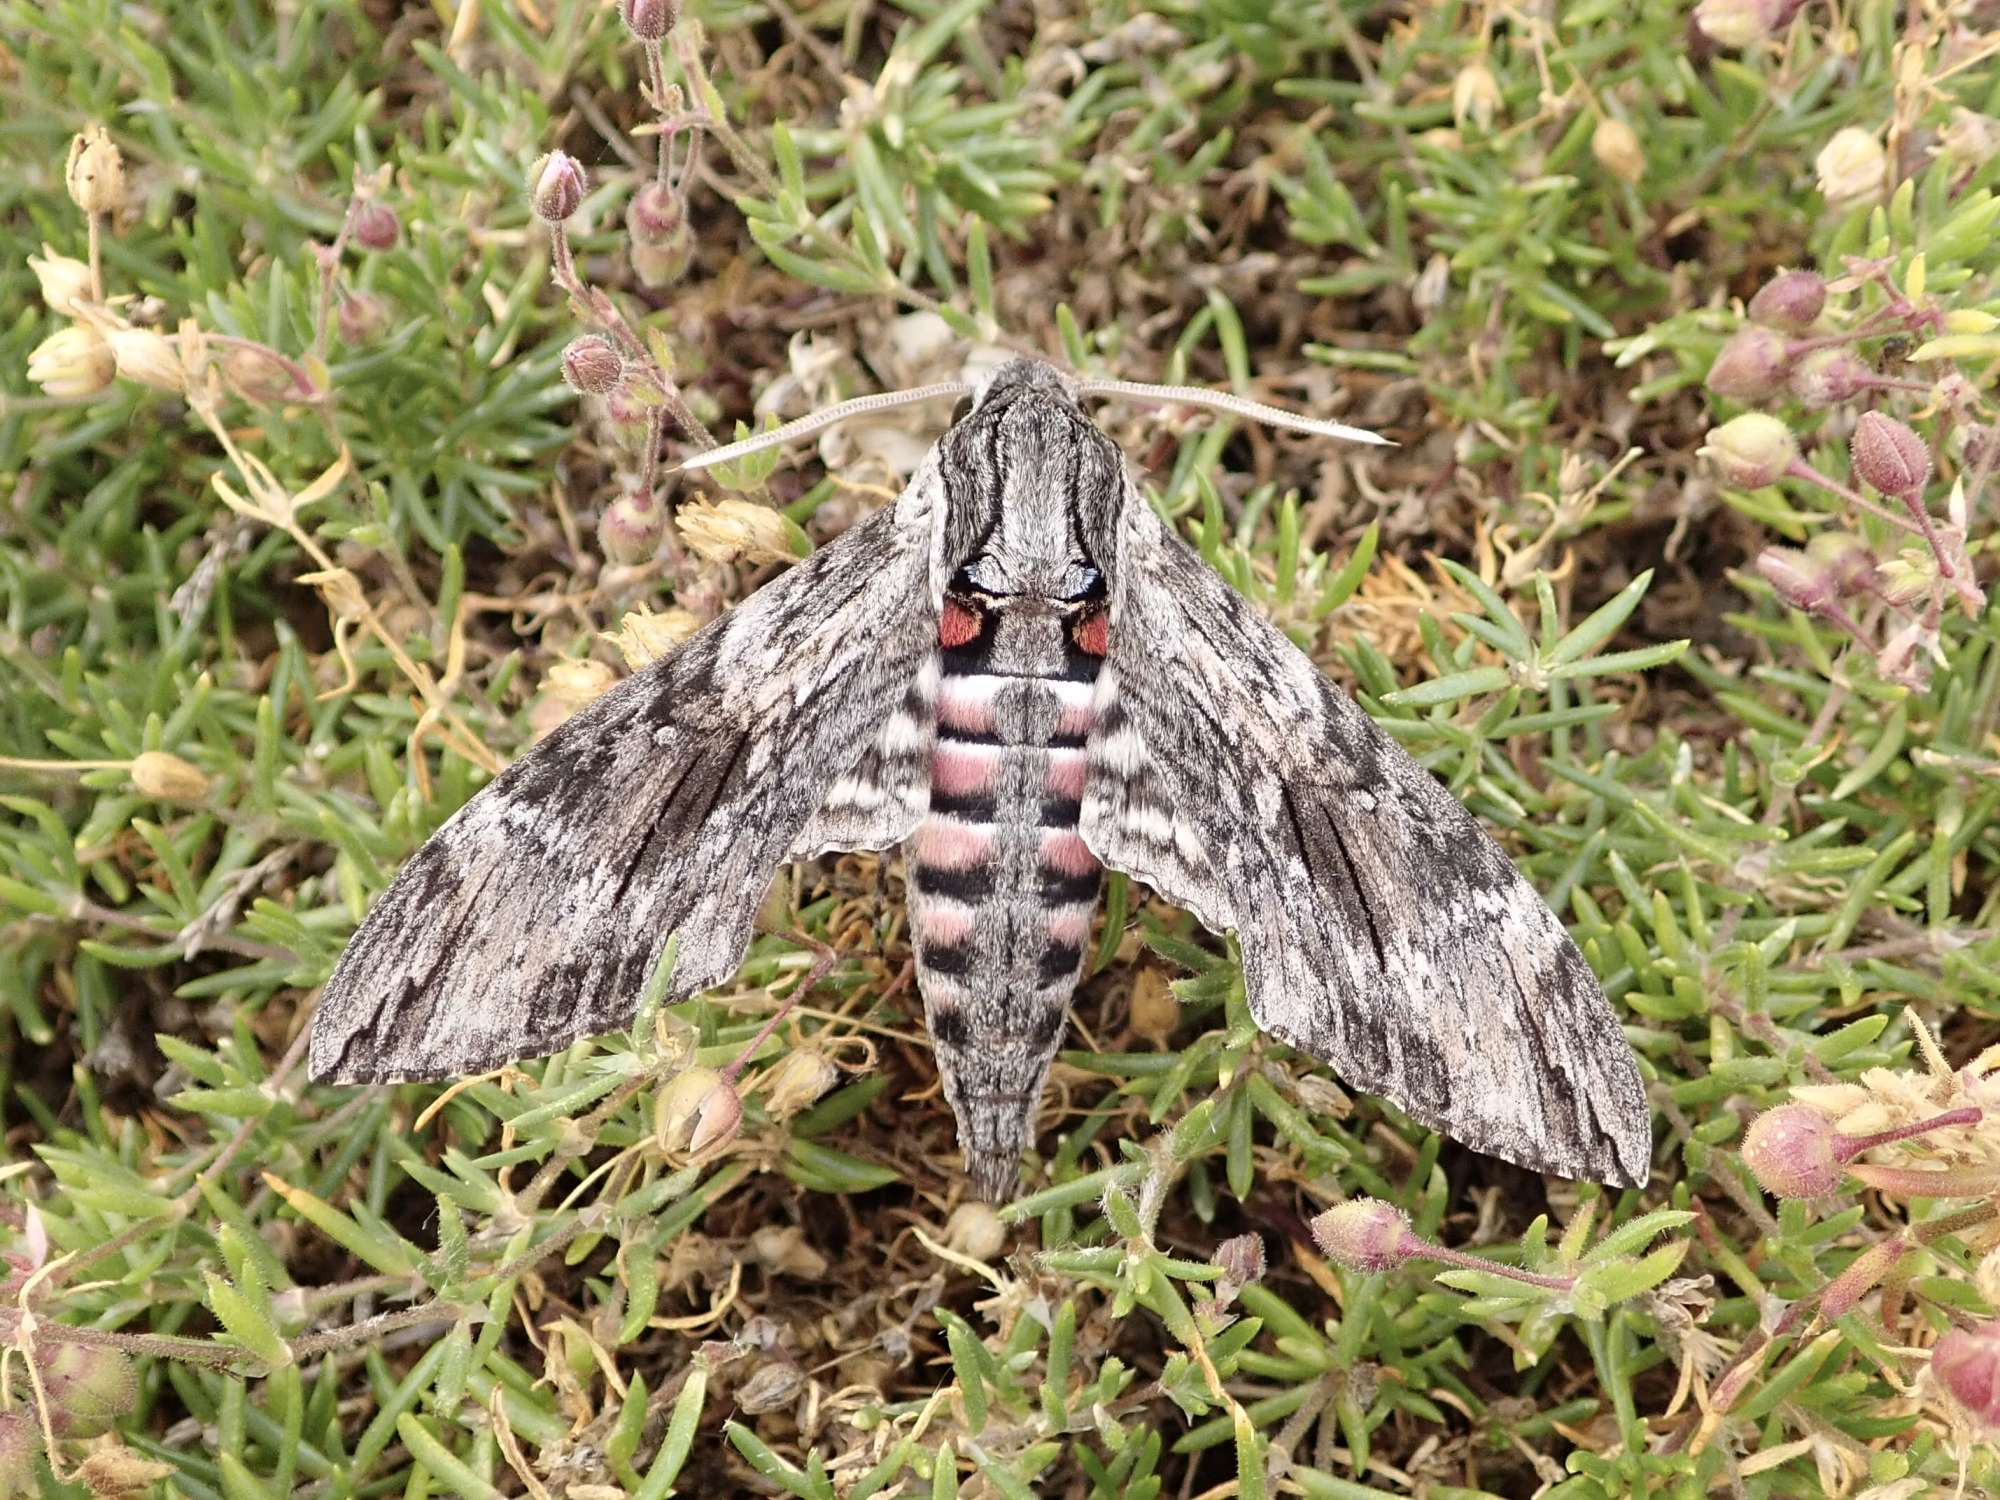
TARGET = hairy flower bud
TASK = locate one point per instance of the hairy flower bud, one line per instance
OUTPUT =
(1794, 1151)
(361, 318)
(1751, 365)
(1154, 1010)
(89, 1388)
(1890, 456)
(1863, 1274)
(1827, 377)
(256, 374)
(650, 20)
(797, 1080)
(1616, 147)
(1364, 1234)
(95, 174)
(64, 280)
(1475, 96)
(1791, 300)
(156, 773)
(1240, 1259)
(592, 364)
(149, 358)
(1751, 451)
(1799, 579)
(72, 362)
(655, 214)
(632, 527)
(20, 1446)
(977, 1230)
(1853, 169)
(374, 225)
(1966, 1362)
(556, 186)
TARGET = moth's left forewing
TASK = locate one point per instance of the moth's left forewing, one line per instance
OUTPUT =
(1382, 929)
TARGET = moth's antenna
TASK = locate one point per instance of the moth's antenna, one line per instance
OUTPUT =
(1235, 406)
(819, 420)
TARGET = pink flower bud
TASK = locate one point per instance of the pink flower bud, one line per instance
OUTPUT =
(1364, 1234)
(1751, 365)
(650, 20)
(654, 214)
(1827, 377)
(556, 186)
(592, 365)
(1740, 23)
(632, 527)
(1794, 1152)
(89, 1388)
(1890, 456)
(1966, 1363)
(375, 226)
(360, 318)
(1791, 300)
(1752, 450)
(1801, 580)
(1241, 1259)
(1862, 1275)
(20, 1446)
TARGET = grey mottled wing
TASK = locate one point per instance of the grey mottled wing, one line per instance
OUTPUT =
(535, 915)
(1382, 930)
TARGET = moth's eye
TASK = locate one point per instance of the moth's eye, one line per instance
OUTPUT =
(961, 411)
(962, 582)
(1087, 584)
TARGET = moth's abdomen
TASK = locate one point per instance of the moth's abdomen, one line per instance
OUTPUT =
(1002, 888)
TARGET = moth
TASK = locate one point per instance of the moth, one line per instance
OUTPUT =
(1021, 676)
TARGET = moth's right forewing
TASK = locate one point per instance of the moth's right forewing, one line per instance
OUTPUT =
(535, 915)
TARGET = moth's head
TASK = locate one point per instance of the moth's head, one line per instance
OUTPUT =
(1019, 379)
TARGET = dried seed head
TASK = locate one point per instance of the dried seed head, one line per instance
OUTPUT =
(1966, 1362)
(114, 1472)
(256, 375)
(149, 358)
(1890, 456)
(1751, 365)
(785, 1249)
(374, 225)
(1475, 96)
(1827, 377)
(1969, 138)
(64, 280)
(1752, 450)
(643, 638)
(772, 1385)
(1801, 580)
(1853, 169)
(1791, 300)
(1794, 1151)
(361, 318)
(1155, 1012)
(632, 527)
(95, 174)
(556, 186)
(655, 214)
(718, 1118)
(799, 1079)
(1738, 23)
(976, 1229)
(89, 1388)
(156, 773)
(722, 531)
(592, 364)
(650, 20)
(576, 683)
(72, 362)
(1240, 1259)
(678, 1106)
(1364, 1234)
(1616, 147)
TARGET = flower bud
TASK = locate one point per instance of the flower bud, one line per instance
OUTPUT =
(95, 174)
(664, 264)
(1364, 1234)
(1890, 456)
(592, 364)
(1616, 147)
(632, 527)
(141, 355)
(1863, 1274)
(1739, 23)
(1791, 300)
(1827, 377)
(256, 375)
(72, 362)
(556, 186)
(89, 1388)
(1154, 1010)
(157, 774)
(1794, 1152)
(64, 280)
(20, 1446)
(1751, 365)
(650, 20)
(1966, 1362)
(374, 225)
(798, 1080)
(977, 1230)
(1853, 169)
(678, 1106)
(361, 318)
(718, 1118)
(1475, 96)
(655, 213)
(1751, 451)
(1798, 578)
(1969, 138)
(1240, 1259)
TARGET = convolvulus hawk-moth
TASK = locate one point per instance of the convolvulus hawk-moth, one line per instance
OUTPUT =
(1022, 676)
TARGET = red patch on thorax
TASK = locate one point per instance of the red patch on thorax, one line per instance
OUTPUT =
(1093, 633)
(957, 625)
